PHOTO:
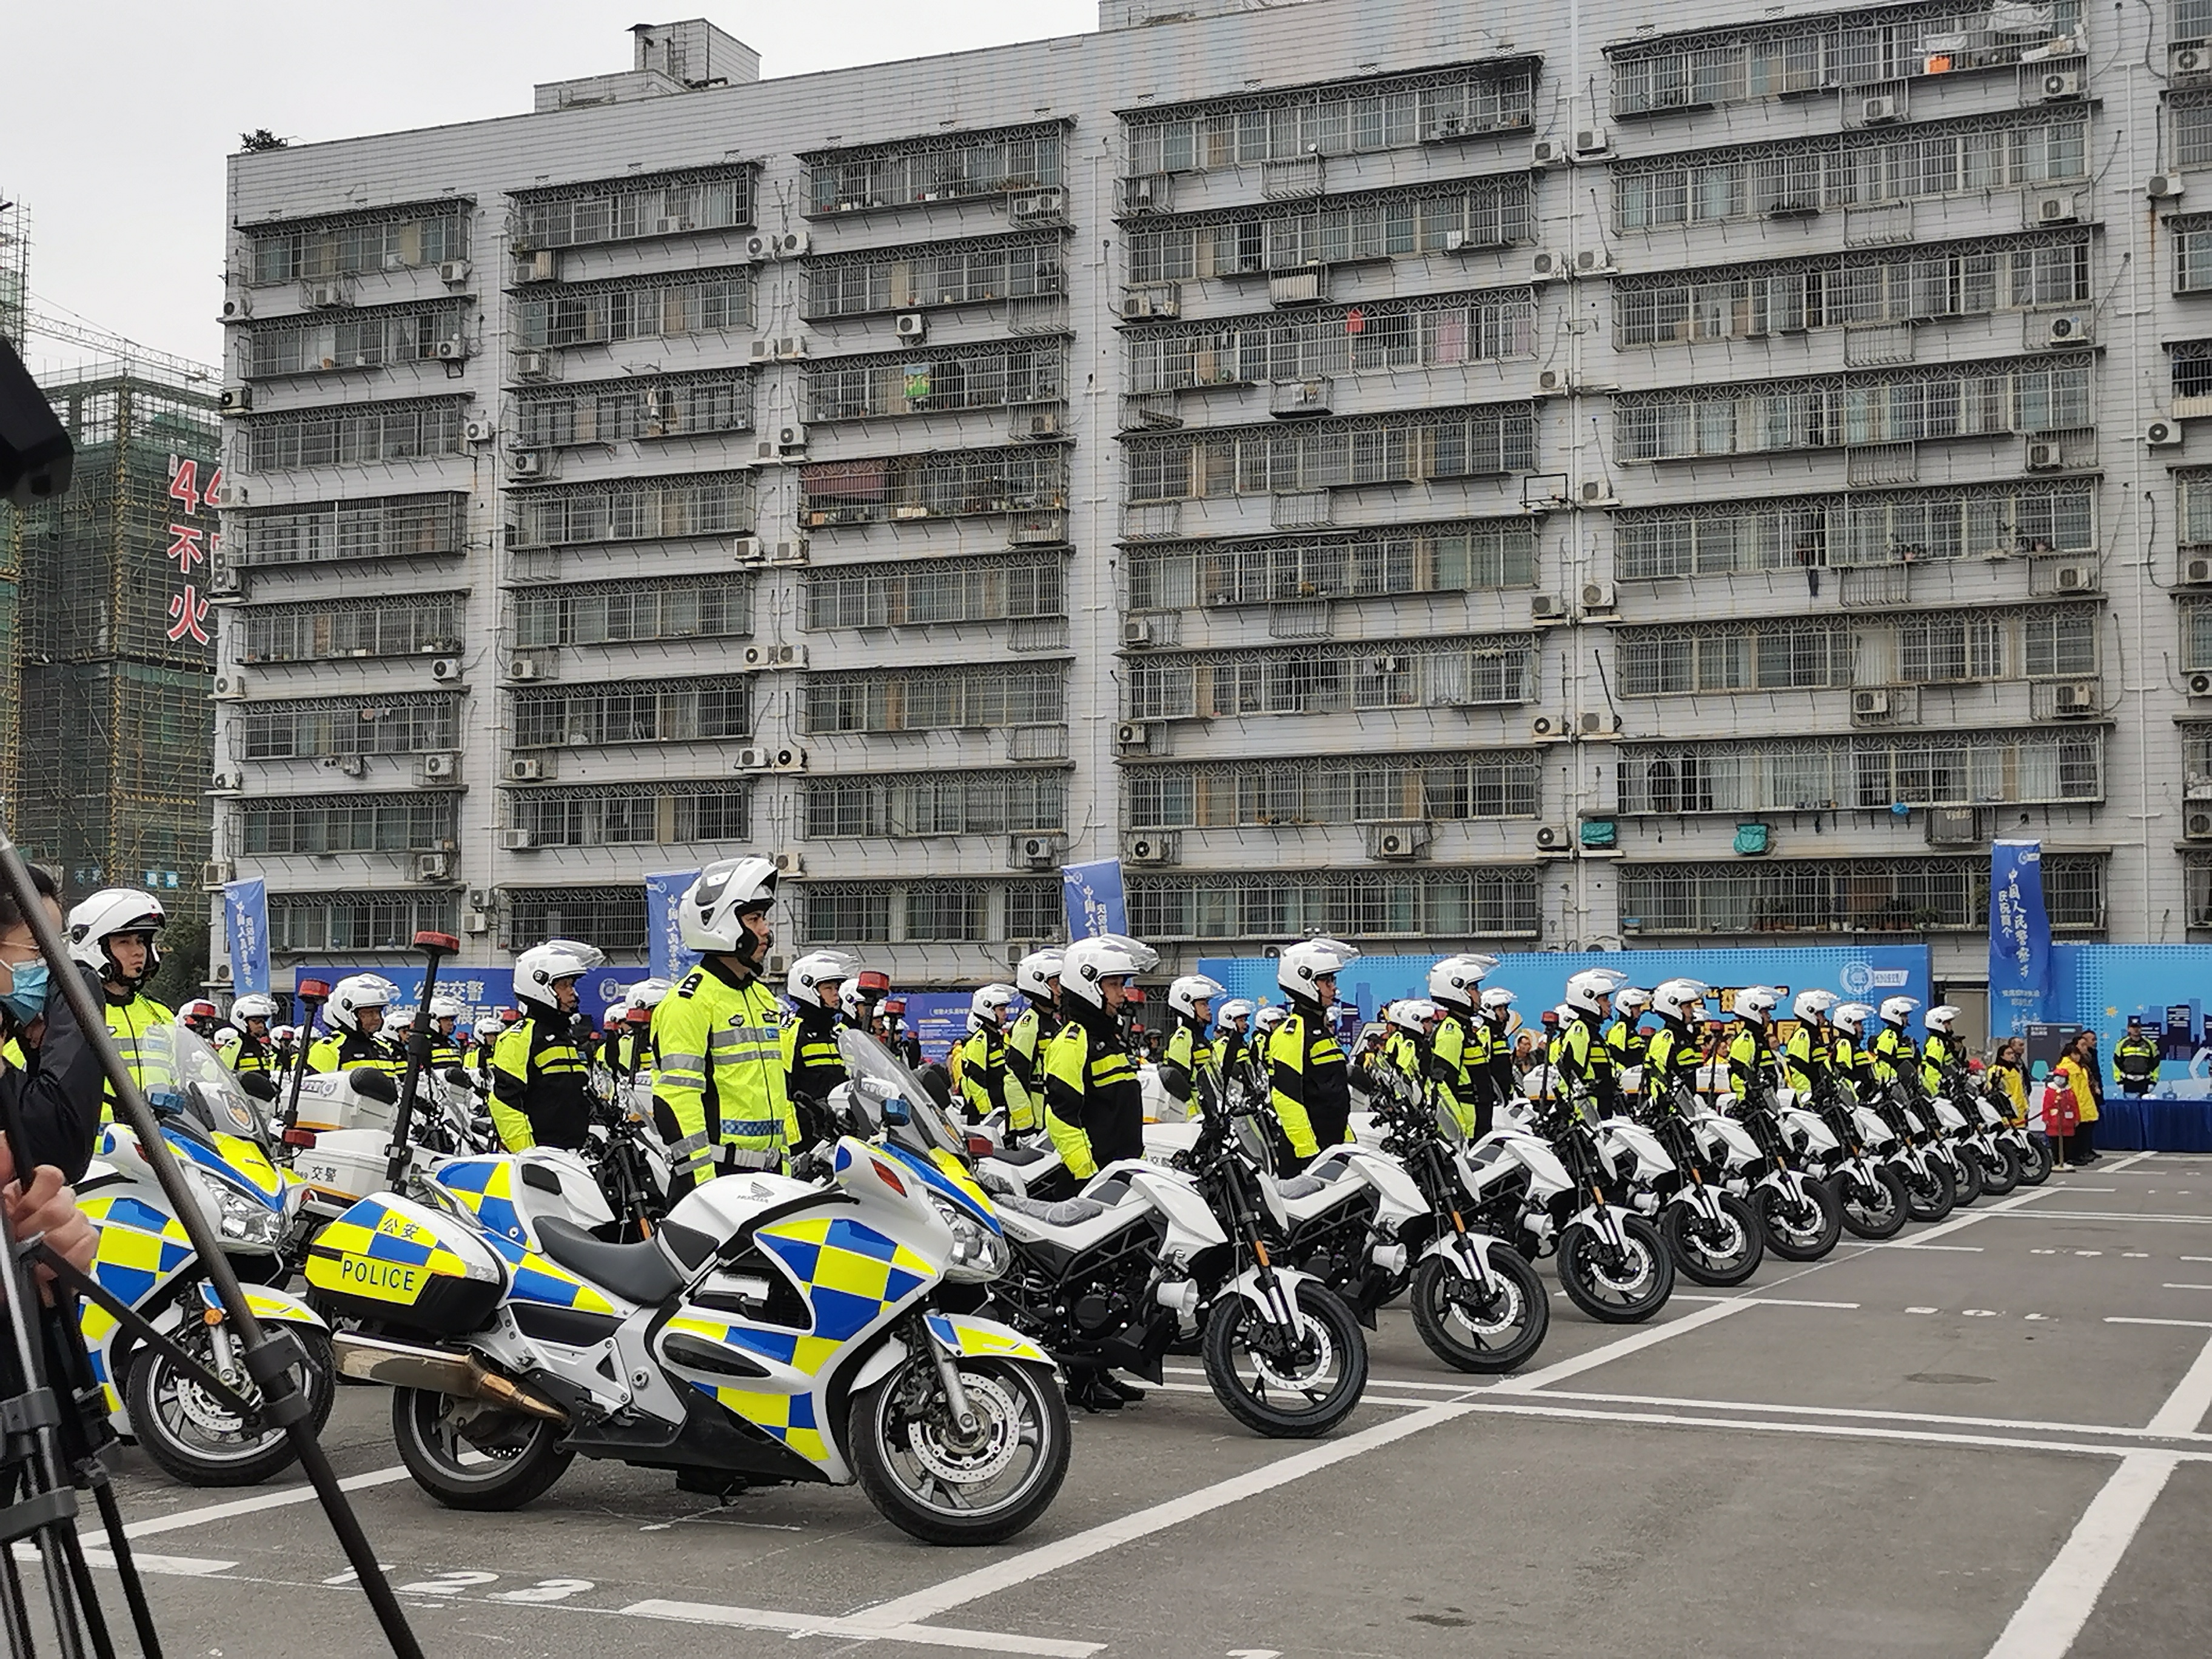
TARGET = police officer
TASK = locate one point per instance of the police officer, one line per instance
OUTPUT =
(1038, 978)
(254, 1053)
(983, 1053)
(114, 933)
(398, 1029)
(540, 1094)
(1311, 1082)
(445, 1016)
(1497, 1013)
(1460, 1051)
(357, 1015)
(1941, 1057)
(1578, 1053)
(808, 1042)
(1850, 1061)
(1232, 1023)
(487, 1042)
(633, 1047)
(200, 1018)
(1094, 1104)
(1623, 1037)
(1897, 1054)
(1809, 1054)
(1670, 1053)
(2134, 1059)
(720, 1091)
(1190, 1062)
(1750, 1073)
(1409, 1033)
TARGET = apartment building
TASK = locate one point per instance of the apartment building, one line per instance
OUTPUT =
(1528, 476)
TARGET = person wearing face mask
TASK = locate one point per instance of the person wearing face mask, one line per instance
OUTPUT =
(113, 933)
(49, 1073)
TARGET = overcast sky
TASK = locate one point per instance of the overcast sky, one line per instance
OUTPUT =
(116, 114)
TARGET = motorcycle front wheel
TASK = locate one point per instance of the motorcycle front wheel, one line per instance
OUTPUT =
(1804, 1229)
(1287, 1385)
(1616, 1289)
(1723, 1251)
(469, 1455)
(2035, 1160)
(2000, 1165)
(943, 1484)
(1875, 1208)
(198, 1440)
(1966, 1175)
(1932, 1196)
(1472, 1331)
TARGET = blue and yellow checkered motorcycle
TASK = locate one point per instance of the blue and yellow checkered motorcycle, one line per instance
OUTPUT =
(772, 1330)
(145, 1261)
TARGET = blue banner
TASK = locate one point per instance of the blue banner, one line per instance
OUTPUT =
(483, 991)
(1093, 895)
(2019, 939)
(663, 935)
(245, 921)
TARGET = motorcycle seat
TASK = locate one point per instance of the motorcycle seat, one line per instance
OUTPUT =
(1020, 1155)
(1302, 1186)
(1068, 1212)
(636, 1272)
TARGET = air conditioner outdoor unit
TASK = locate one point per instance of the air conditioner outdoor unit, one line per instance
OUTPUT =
(1397, 840)
(794, 245)
(441, 766)
(1597, 596)
(2056, 210)
(237, 308)
(445, 668)
(1155, 848)
(433, 867)
(216, 872)
(322, 296)
(478, 432)
(1875, 112)
(1597, 493)
(2045, 457)
(526, 464)
(1045, 423)
(1132, 737)
(788, 758)
(913, 326)
(526, 771)
(1551, 382)
(791, 864)
(2069, 330)
(790, 656)
(1545, 266)
(224, 782)
(752, 758)
(229, 685)
(2200, 685)
(530, 365)
(522, 668)
(353, 766)
(1546, 607)
(2195, 571)
(1547, 725)
(2163, 434)
(2060, 84)
(453, 351)
(1547, 153)
(2074, 699)
(227, 579)
(227, 494)
(516, 841)
(790, 552)
(2074, 578)
(1039, 205)
(791, 439)
(1592, 142)
(1595, 725)
(2197, 824)
(454, 272)
(1552, 839)
(1137, 633)
(1873, 705)
(475, 921)
(237, 399)
(1034, 852)
(2164, 187)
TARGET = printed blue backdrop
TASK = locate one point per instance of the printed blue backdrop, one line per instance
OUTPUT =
(483, 991)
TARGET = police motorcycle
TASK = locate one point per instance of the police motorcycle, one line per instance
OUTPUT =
(1800, 1214)
(1713, 1233)
(183, 1390)
(1857, 1155)
(772, 1330)
(1931, 1178)
(1980, 1137)
(339, 1140)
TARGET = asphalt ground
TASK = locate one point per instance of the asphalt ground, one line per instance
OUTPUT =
(1988, 1438)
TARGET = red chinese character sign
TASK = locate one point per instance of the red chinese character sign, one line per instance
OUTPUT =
(191, 546)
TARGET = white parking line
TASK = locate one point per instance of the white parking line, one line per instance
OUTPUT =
(1944, 1229)
(2170, 1286)
(2066, 1595)
(862, 1629)
(2191, 1398)
(1605, 1355)
(2024, 1425)
(264, 1500)
(2128, 1162)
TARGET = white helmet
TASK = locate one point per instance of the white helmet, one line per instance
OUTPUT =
(1453, 979)
(852, 1004)
(1678, 999)
(1034, 974)
(227, 1038)
(646, 993)
(1268, 1018)
(1187, 993)
(445, 1008)
(1413, 1014)
(252, 1006)
(1588, 990)
(711, 911)
(399, 1016)
(110, 911)
(1302, 963)
(282, 1033)
(1851, 1015)
(988, 1006)
(1235, 1008)
(1813, 1004)
(1631, 1000)
(356, 992)
(1755, 1004)
(814, 970)
(1895, 1011)
(537, 968)
(1941, 1017)
(1498, 1001)
(1090, 960)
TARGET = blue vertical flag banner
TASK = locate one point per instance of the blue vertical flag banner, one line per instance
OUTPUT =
(663, 935)
(245, 922)
(1093, 893)
(2019, 939)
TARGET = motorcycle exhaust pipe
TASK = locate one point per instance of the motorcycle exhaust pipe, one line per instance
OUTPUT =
(1390, 1258)
(1178, 1295)
(401, 1365)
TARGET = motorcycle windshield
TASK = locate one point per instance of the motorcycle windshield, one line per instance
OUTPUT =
(877, 1076)
(186, 1080)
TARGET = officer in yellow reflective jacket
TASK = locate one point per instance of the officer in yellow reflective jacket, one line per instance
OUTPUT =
(1808, 1056)
(1038, 978)
(1893, 1044)
(115, 933)
(254, 1053)
(721, 1095)
(444, 1014)
(983, 1053)
(1625, 1038)
(1459, 1048)
(1190, 1065)
(1094, 1106)
(1312, 1081)
(2134, 1059)
(1669, 1054)
(355, 1043)
(1751, 1068)
(1578, 1053)
(812, 1066)
(540, 1082)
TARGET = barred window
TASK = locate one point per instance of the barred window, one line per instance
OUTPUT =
(1841, 896)
(271, 825)
(2192, 20)
(2059, 642)
(1345, 119)
(2192, 252)
(2196, 759)
(1472, 555)
(666, 406)
(633, 510)
(2197, 876)
(1744, 302)
(2192, 114)
(394, 625)
(2196, 635)
(317, 533)
(653, 711)
(1852, 169)
(1494, 212)
(358, 435)
(949, 167)
(406, 725)
(936, 699)
(612, 918)
(2193, 489)
(1430, 333)
(1450, 443)
(993, 375)
(1780, 655)
(640, 815)
(1454, 903)
(321, 922)
(2051, 641)
(1864, 527)
(367, 339)
(946, 912)
(635, 611)
(1328, 789)
(2028, 394)
(394, 238)
(662, 307)
(905, 805)
(959, 483)
(637, 205)
(1870, 773)
(2190, 368)
(934, 274)
(1491, 669)
(913, 593)
(1932, 649)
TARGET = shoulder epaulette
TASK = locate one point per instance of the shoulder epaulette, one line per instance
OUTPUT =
(692, 981)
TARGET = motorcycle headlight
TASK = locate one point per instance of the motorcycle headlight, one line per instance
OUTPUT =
(979, 1253)
(241, 1221)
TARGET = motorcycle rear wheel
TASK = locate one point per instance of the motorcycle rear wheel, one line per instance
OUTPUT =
(1723, 1260)
(1470, 1335)
(1877, 1213)
(2035, 1161)
(1796, 1237)
(2005, 1175)
(1933, 1198)
(1328, 1372)
(1624, 1293)
(507, 1460)
(911, 1467)
(1966, 1176)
